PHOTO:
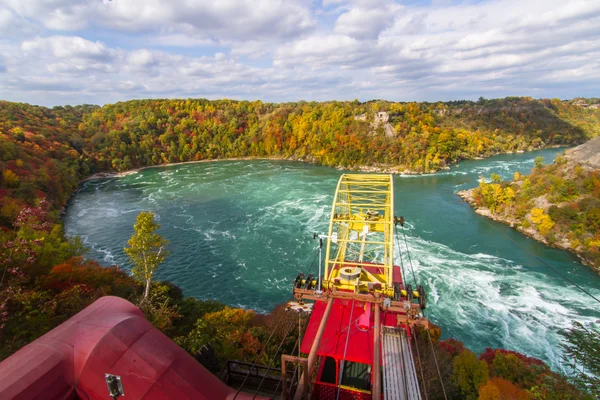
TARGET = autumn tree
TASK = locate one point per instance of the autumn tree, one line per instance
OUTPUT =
(228, 332)
(501, 389)
(542, 220)
(147, 250)
(470, 373)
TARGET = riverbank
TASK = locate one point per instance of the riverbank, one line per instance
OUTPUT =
(107, 175)
(381, 169)
(362, 168)
(559, 238)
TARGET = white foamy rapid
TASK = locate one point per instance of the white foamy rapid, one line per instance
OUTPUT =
(490, 301)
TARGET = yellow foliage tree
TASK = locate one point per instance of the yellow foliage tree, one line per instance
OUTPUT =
(10, 179)
(509, 195)
(542, 220)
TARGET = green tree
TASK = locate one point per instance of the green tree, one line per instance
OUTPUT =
(538, 162)
(582, 355)
(147, 249)
(228, 331)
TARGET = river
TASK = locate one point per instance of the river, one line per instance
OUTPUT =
(240, 231)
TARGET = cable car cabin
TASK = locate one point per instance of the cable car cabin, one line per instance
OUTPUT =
(358, 338)
(346, 353)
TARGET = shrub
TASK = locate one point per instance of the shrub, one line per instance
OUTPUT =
(453, 346)
(76, 271)
(538, 162)
(592, 219)
(563, 215)
(588, 203)
(227, 331)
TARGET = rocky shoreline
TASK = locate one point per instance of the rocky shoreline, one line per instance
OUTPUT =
(383, 169)
(107, 175)
(561, 242)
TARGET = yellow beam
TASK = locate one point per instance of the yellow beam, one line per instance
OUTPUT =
(355, 196)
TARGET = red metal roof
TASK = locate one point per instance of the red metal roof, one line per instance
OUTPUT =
(109, 336)
(333, 342)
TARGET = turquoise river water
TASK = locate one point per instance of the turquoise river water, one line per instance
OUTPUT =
(240, 231)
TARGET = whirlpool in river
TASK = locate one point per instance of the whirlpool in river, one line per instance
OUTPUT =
(240, 231)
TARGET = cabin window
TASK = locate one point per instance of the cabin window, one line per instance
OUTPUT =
(328, 373)
(357, 375)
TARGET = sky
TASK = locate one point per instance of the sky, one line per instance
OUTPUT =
(55, 52)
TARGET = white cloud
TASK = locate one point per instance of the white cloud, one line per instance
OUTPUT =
(68, 47)
(13, 25)
(6, 19)
(327, 50)
(66, 15)
(363, 23)
(297, 49)
(142, 58)
(206, 19)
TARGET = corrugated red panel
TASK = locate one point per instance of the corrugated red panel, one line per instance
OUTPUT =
(396, 275)
(389, 319)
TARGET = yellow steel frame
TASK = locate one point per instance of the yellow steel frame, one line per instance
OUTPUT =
(362, 216)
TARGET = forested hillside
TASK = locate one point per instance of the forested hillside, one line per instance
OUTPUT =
(44, 153)
(426, 136)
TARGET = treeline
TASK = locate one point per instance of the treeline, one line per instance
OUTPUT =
(558, 204)
(495, 374)
(426, 136)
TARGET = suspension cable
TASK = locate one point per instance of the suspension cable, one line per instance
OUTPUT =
(293, 376)
(437, 366)
(414, 336)
(345, 350)
(400, 253)
(401, 221)
(269, 367)
(542, 261)
(258, 357)
(408, 252)
(312, 264)
(297, 345)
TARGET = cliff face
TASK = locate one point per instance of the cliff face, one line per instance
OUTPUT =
(587, 153)
(558, 204)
